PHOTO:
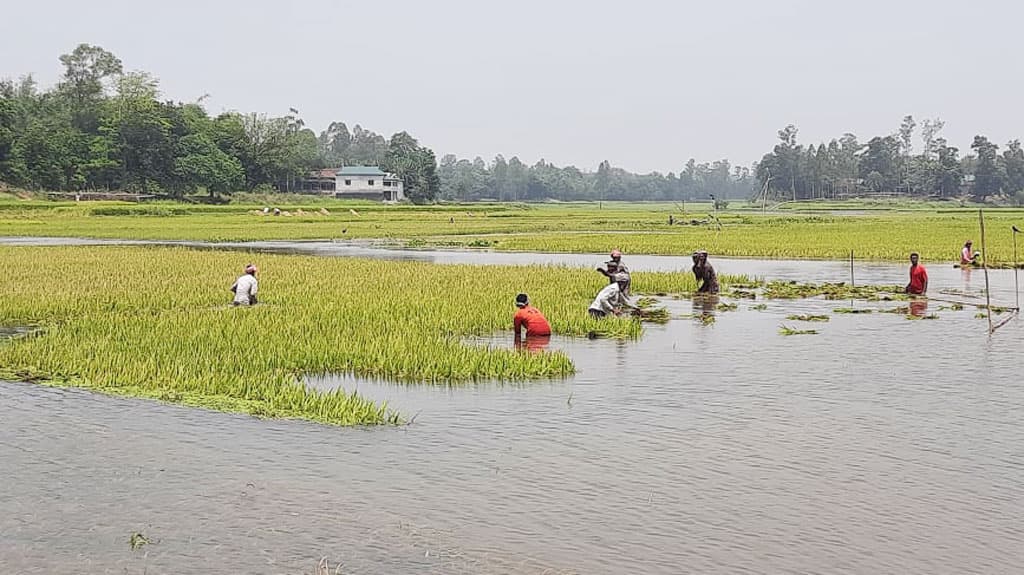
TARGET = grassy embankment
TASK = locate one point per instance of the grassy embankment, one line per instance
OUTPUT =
(153, 322)
(638, 228)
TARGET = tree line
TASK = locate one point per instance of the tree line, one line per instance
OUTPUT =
(101, 128)
(888, 164)
(512, 180)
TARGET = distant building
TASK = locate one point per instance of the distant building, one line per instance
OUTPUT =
(369, 183)
(354, 182)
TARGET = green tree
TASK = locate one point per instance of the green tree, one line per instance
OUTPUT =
(85, 70)
(1013, 161)
(949, 175)
(989, 173)
(415, 165)
(201, 164)
(879, 164)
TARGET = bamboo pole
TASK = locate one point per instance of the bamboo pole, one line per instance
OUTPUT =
(852, 284)
(1016, 282)
(851, 269)
(984, 266)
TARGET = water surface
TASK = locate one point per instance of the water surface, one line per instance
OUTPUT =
(880, 445)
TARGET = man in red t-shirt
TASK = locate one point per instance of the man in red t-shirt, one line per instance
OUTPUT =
(529, 317)
(918, 277)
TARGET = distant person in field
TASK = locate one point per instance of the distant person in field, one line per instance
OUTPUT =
(918, 277)
(614, 266)
(612, 298)
(704, 273)
(967, 255)
(529, 318)
(245, 287)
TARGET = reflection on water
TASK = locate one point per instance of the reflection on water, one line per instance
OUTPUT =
(532, 343)
(919, 307)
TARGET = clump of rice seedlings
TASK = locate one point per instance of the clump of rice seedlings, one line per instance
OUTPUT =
(980, 315)
(645, 302)
(705, 318)
(903, 310)
(759, 307)
(725, 306)
(742, 293)
(786, 330)
(850, 310)
(653, 315)
(807, 317)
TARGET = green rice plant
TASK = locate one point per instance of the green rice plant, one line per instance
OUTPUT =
(759, 307)
(807, 317)
(154, 322)
(645, 302)
(850, 310)
(653, 315)
(577, 228)
(726, 306)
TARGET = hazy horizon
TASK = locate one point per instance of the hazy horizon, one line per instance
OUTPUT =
(644, 87)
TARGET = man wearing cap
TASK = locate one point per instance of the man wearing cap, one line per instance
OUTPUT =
(613, 267)
(918, 277)
(245, 287)
(704, 273)
(530, 318)
(611, 298)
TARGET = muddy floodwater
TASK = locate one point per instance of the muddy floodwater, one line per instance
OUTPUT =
(879, 445)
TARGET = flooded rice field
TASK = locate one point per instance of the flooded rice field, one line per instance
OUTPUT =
(879, 445)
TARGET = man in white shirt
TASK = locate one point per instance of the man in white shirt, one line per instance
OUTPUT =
(245, 287)
(611, 298)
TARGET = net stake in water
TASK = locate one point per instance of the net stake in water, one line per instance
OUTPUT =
(984, 266)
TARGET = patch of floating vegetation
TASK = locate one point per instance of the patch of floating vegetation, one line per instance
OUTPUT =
(786, 330)
(807, 317)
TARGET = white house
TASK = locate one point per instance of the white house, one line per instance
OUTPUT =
(367, 182)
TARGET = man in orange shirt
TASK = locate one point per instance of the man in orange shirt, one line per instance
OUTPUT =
(529, 317)
(918, 277)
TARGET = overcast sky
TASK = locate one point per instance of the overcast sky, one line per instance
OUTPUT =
(643, 84)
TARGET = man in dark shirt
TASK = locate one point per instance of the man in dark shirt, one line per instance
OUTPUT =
(704, 273)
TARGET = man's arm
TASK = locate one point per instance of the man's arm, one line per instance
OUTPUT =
(624, 301)
(255, 287)
(517, 323)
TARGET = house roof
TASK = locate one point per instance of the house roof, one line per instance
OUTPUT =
(360, 171)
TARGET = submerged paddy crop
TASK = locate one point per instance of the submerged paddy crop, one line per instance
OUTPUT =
(153, 322)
